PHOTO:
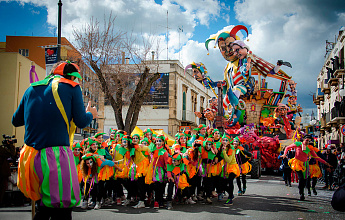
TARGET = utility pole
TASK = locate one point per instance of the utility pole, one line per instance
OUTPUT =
(167, 36)
(180, 29)
(59, 31)
(219, 117)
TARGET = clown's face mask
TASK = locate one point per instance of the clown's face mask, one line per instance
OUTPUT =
(89, 162)
(226, 50)
(135, 139)
(282, 111)
(76, 151)
(197, 75)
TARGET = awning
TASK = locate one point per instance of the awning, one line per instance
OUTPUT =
(137, 131)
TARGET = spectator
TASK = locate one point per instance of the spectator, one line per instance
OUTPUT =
(342, 146)
(338, 153)
(286, 168)
(332, 160)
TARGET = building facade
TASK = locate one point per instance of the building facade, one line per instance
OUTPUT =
(174, 107)
(33, 49)
(15, 79)
(329, 96)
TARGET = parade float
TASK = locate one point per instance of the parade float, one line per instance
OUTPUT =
(245, 106)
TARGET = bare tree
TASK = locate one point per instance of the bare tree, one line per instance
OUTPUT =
(123, 85)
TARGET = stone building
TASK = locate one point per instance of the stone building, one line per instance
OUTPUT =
(329, 96)
(174, 106)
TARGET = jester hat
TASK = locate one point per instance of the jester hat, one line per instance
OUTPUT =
(76, 145)
(88, 156)
(224, 35)
(199, 66)
(112, 130)
(214, 130)
(144, 140)
(237, 138)
(241, 44)
(90, 141)
(181, 135)
(136, 135)
(187, 133)
(148, 130)
(121, 133)
(227, 137)
(177, 156)
(65, 69)
(201, 126)
(98, 134)
(162, 137)
(208, 140)
(128, 138)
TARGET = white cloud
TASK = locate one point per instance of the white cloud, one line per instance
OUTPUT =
(294, 31)
(137, 17)
(290, 30)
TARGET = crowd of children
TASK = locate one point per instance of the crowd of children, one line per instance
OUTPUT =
(195, 168)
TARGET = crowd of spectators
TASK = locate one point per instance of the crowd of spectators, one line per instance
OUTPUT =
(335, 176)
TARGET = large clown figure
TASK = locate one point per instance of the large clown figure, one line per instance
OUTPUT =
(237, 78)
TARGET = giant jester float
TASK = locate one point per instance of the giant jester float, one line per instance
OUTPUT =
(250, 109)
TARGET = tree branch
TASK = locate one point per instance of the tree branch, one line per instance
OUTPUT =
(141, 98)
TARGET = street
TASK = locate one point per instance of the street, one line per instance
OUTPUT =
(266, 198)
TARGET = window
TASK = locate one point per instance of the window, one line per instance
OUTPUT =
(184, 106)
(194, 101)
(24, 52)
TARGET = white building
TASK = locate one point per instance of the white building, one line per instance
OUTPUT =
(185, 95)
(330, 93)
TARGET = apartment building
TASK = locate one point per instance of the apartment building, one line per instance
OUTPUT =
(329, 96)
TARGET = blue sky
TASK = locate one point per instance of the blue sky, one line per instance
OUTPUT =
(290, 30)
(29, 20)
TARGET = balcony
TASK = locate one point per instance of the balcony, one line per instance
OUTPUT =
(316, 101)
(338, 113)
(319, 94)
(333, 82)
(329, 122)
(339, 73)
(325, 88)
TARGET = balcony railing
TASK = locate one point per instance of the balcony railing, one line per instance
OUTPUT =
(338, 112)
(316, 100)
(325, 88)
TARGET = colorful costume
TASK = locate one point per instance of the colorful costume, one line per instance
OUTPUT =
(300, 161)
(77, 160)
(46, 169)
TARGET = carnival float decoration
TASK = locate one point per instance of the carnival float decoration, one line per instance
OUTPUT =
(250, 110)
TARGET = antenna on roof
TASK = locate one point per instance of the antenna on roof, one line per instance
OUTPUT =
(167, 36)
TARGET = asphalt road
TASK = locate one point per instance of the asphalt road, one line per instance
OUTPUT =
(266, 198)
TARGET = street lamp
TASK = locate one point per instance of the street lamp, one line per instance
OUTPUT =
(59, 32)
